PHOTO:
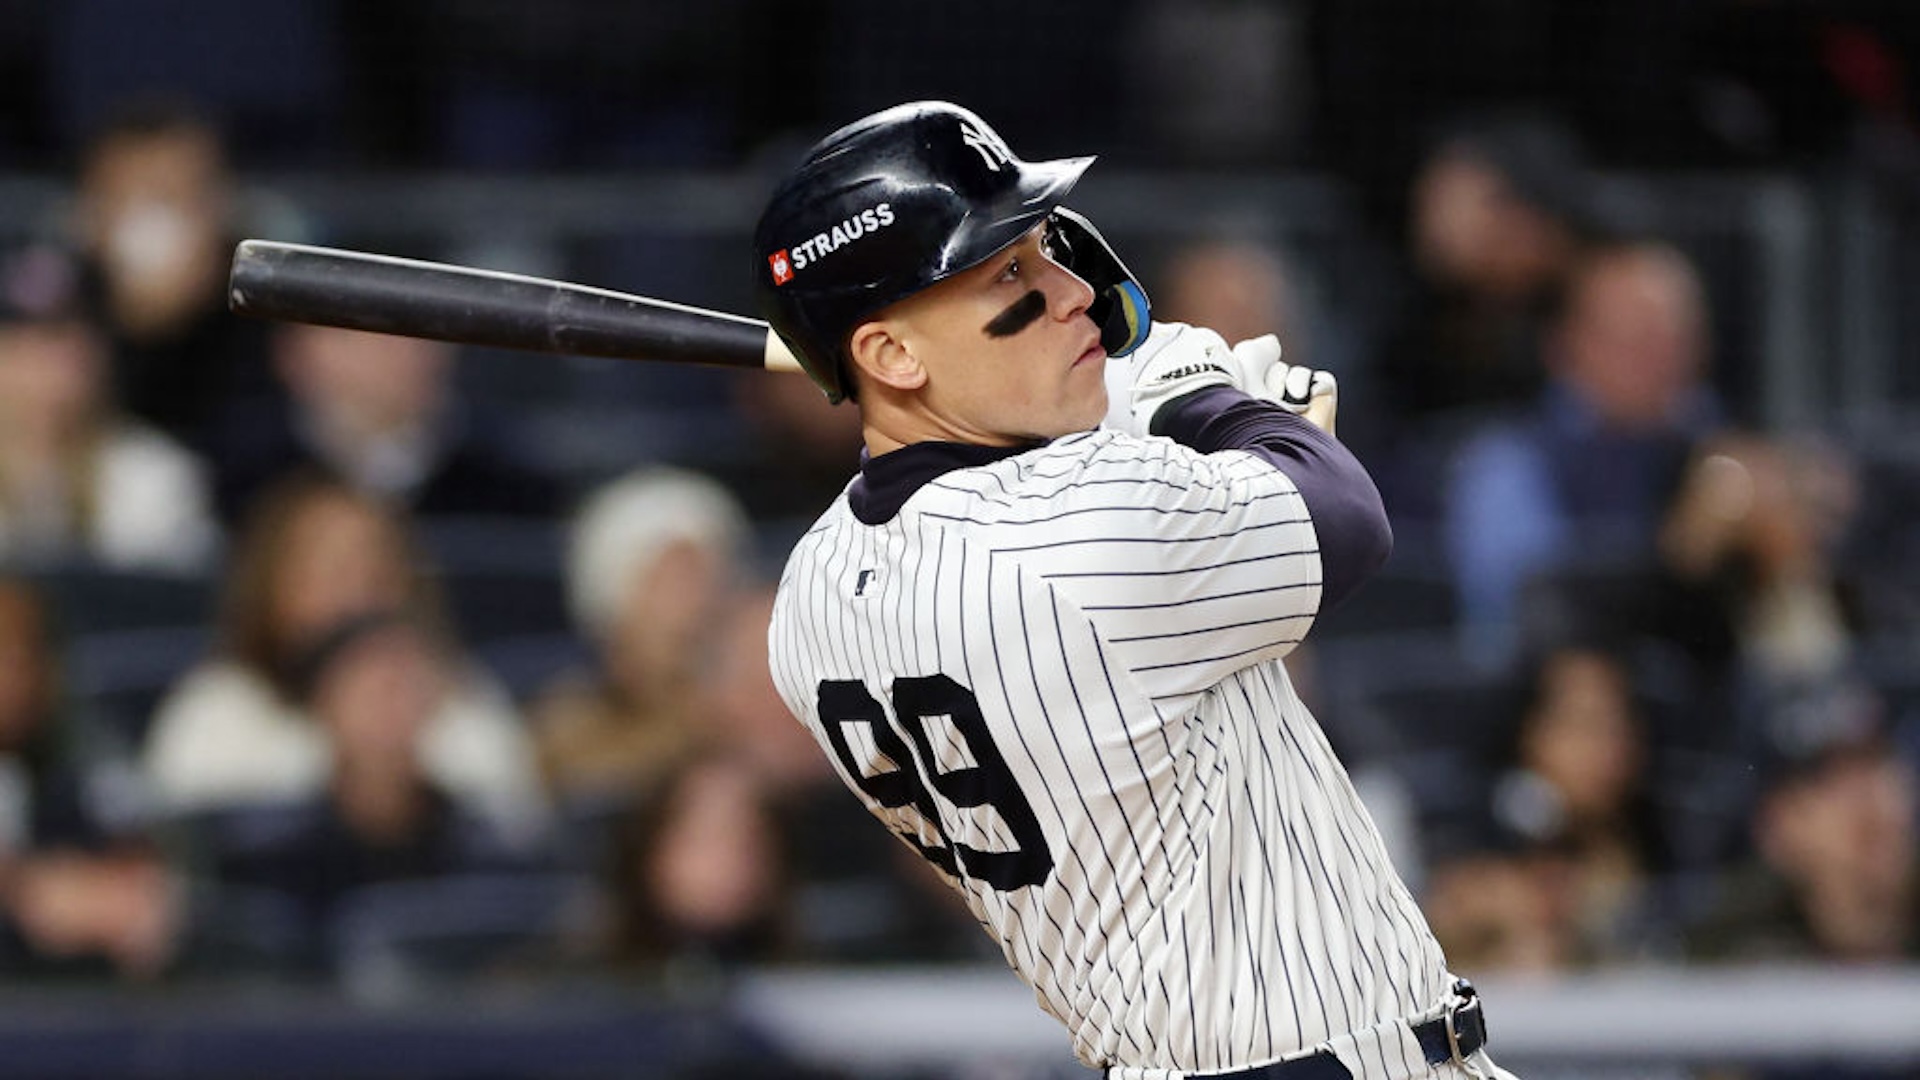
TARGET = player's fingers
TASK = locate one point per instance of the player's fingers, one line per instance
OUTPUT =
(1295, 385)
(1258, 353)
(1255, 359)
(1324, 385)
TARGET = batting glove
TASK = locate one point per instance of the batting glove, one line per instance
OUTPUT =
(1296, 388)
(1305, 391)
(1175, 360)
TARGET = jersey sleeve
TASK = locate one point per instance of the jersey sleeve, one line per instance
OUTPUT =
(1189, 566)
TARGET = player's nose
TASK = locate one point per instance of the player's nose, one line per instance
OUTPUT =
(1068, 294)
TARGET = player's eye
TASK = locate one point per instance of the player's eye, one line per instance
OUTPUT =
(1012, 272)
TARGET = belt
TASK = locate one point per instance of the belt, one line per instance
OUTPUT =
(1451, 1036)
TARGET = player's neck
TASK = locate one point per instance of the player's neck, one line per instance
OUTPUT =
(889, 424)
(880, 442)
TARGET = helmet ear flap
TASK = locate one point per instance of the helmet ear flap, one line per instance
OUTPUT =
(1120, 307)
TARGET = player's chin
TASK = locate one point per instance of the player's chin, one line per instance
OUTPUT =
(1085, 411)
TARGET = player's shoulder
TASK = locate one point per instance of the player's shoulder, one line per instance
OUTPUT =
(826, 532)
(1098, 470)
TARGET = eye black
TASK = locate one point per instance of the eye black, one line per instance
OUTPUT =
(1018, 315)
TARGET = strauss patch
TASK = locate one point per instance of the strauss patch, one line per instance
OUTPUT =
(789, 261)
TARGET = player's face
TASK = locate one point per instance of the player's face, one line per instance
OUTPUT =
(1009, 351)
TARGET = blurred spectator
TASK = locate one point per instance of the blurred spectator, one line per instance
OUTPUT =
(155, 217)
(652, 557)
(1578, 795)
(789, 457)
(1583, 476)
(1747, 609)
(1837, 873)
(83, 887)
(858, 895)
(373, 684)
(1748, 554)
(77, 480)
(1559, 865)
(376, 410)
(1244, 288)
(1238, 288)
(699, 876)
(233, 731)
(1495, 911)
(741, 709)
(1497, 221)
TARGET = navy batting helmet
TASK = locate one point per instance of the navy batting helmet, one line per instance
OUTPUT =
(893, 203)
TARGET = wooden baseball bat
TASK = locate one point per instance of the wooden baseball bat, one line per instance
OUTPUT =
(362, 291)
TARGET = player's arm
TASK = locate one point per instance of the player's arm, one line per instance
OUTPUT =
(1349, 519)
(1187, 384)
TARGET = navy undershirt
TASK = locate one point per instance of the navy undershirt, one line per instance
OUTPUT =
(1348, 516)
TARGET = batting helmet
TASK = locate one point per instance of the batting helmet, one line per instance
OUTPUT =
(893, 203)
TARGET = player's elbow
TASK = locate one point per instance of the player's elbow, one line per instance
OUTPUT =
(1356, 539)
(1379, 538)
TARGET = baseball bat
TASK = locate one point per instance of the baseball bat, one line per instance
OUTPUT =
(358, 290)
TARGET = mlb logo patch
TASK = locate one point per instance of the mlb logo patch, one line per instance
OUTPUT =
(782, 267)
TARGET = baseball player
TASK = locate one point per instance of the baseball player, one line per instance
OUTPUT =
(1045, 651)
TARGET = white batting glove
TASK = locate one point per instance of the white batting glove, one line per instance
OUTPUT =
(1296, 388)
(1175, 360)
(1258, 358)
(1178, 359)
(1305, 391)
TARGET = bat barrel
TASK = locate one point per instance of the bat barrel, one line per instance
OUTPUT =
(383, 294)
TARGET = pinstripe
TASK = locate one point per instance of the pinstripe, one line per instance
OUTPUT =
(1055, 519)
(1208, 568)
(1299, 846)
(1020, 734)
(1047, 495)
(1369, 888)
(1301, 947)
(1077, 851)
(1373, 889)
(1011, 923)
(1159, 815)
(1200, 660)
(1191, 633)
(1093, 743)
(1235, 595)
(1237, 951)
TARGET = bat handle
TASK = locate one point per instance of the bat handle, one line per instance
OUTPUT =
(779, 357)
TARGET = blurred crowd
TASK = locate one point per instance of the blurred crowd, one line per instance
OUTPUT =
(309, 674)
(246, 730)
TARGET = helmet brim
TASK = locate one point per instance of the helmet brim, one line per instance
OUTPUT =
(1040, 187)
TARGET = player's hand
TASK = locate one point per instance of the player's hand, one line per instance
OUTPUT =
(1306, 392)
(1175, 360)
(1296, 388)
(1137, 385)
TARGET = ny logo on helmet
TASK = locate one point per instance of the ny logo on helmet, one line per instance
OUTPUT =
(992, 150)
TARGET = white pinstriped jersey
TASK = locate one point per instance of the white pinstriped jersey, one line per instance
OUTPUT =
(1059, 676)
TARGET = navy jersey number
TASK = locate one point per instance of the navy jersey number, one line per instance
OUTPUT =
(985, 782)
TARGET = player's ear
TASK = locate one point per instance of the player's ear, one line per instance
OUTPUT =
(880, 352)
